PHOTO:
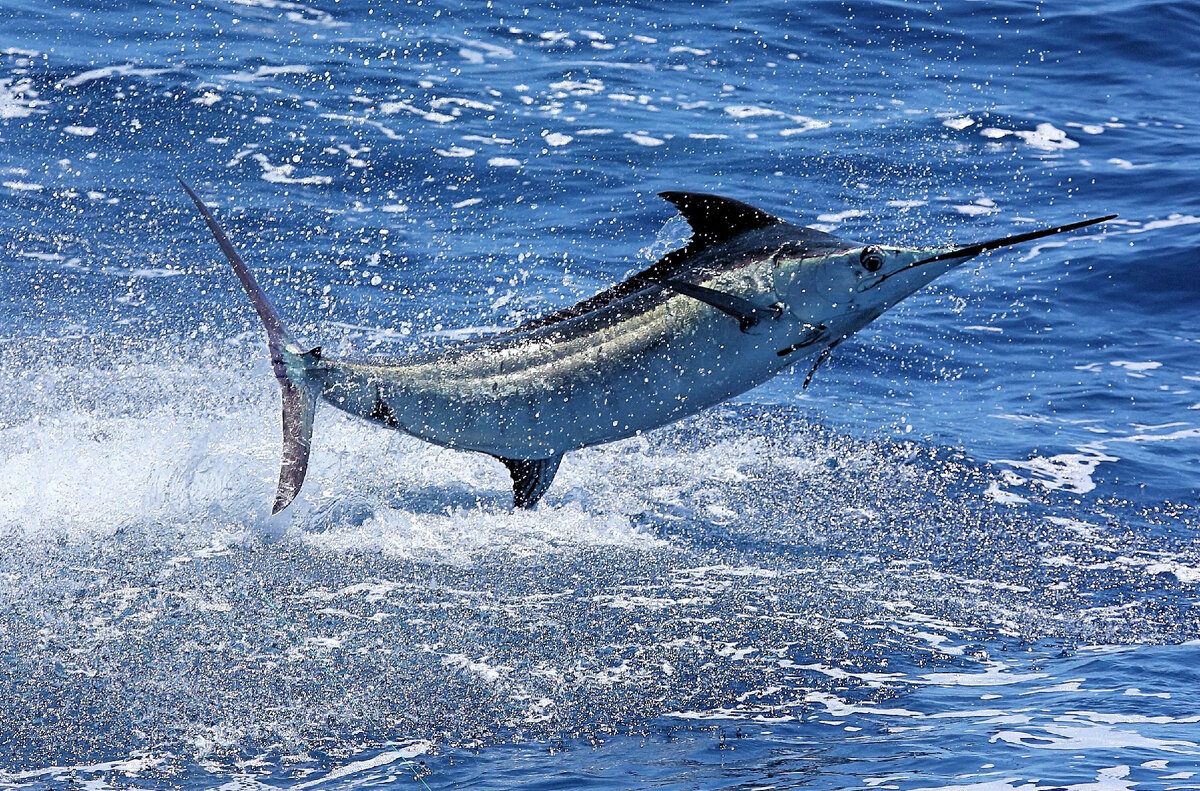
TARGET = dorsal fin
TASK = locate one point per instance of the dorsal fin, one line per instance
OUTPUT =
(715, 219)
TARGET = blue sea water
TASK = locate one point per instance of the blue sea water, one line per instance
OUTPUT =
(964, 558)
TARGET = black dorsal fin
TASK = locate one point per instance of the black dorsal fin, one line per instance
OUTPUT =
(531, 478)
(715, 219)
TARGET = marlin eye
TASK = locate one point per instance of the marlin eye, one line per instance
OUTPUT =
(871, 259)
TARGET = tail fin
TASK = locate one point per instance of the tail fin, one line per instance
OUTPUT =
(294, 368)
(299, 407)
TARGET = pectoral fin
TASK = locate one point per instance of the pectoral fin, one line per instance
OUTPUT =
(531, 478)
(746, 312)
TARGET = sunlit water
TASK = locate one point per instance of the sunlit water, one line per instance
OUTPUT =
(965, 557)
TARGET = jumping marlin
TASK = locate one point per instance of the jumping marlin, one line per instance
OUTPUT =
(748, 296)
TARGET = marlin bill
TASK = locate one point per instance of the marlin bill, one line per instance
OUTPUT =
(749, 295)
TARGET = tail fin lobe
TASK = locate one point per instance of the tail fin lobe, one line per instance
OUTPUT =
(277, 334)
(294, 368)
(299, 408)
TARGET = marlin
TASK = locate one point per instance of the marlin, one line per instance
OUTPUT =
(748, 296)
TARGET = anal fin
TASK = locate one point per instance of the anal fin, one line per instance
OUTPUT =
(383, 412)
(531, 478)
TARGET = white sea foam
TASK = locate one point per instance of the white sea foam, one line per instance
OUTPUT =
(1069, 472)
(1188, 574)
(391, 108)
(282, 174)
(18, 99)
(459, 535)
(643, 139)
(174, 465)
(996, 675)
(293, 11)
(741, 111)
(1171, 221)
(126, 766)
(263, 72)
(1047, 137)
(125, 70)
(1111, 718)
(1044, 137)
(803, 123)
(405, 753)
(1091, 737)
(589, 87)
(841, 216)
(976, 208)
(458, 101)
(1137, 693)
(455, 152)
(387, 131)
(1125, 164)
(491, 140)
(1134, 368)
(129, 464)
(478, 668)
(1001, 496)
(840, 708)
(811, 124)
(1107, 779)
(477, 47)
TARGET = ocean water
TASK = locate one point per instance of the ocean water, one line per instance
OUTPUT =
(965, 558)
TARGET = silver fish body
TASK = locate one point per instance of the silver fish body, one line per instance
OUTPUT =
(639, 363)
(747, 297)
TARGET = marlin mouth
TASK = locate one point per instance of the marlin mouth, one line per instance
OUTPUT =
(973, 250)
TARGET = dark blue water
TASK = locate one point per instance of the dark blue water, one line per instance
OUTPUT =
(965, 557)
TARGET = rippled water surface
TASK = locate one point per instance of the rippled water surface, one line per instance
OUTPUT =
(965, 557)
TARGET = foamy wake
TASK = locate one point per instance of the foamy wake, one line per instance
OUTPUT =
(207, 463)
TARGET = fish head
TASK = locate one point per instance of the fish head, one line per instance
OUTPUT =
(845, 289)
(847, 286)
